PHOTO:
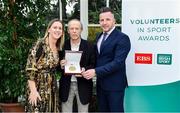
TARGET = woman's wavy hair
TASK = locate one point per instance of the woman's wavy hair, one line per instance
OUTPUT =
(60, 41)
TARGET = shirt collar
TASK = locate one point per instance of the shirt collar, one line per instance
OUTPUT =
(109, 32)
(78, 44)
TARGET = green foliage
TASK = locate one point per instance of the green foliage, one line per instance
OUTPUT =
(94, 7)
(22, 22)
(28, 17)
(92, 33)
(58, 75)
(12, 66)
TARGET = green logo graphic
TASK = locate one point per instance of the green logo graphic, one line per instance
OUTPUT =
(164, 59)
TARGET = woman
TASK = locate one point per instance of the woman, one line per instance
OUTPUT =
(41, 65)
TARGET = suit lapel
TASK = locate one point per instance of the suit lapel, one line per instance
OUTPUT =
(97, 39)
(81, 46)
(108, 40)
(68, 45)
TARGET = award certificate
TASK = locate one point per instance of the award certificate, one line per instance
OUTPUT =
(73, 62)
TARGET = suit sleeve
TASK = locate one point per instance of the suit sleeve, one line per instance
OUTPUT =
(122, 48)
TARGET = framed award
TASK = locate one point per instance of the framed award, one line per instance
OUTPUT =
(73, 59)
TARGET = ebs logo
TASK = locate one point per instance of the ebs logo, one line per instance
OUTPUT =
(143, 58)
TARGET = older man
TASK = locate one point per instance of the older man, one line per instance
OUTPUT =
(75, 85)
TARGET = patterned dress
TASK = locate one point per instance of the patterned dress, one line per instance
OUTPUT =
(41, 69)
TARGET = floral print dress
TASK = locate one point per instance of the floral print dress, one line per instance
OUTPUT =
(41, 69)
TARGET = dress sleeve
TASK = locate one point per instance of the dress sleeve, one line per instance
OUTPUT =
(31, 66)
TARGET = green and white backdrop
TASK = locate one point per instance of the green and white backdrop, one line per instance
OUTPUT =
(153, 65)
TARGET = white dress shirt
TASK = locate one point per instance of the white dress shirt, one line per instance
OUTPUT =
(101, 38)
(74, 47)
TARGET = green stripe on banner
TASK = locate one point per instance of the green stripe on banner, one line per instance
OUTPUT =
(158, 98)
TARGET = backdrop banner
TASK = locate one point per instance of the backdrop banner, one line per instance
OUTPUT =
(154, 29)
(153, 65)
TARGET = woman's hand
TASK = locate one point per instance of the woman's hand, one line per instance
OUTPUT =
(63, 63)
(34, 97)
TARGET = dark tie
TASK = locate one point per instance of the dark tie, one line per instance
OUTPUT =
(104, 39)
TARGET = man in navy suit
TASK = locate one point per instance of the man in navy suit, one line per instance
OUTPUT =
(113, 47)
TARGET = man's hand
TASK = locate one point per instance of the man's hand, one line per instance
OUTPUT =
(80, 75)
(89, 74)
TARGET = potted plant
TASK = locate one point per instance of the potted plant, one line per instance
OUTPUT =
(12, 66)
(21, 24)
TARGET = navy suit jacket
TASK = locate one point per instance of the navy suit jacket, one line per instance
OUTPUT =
(111, 61)
(84, 86)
